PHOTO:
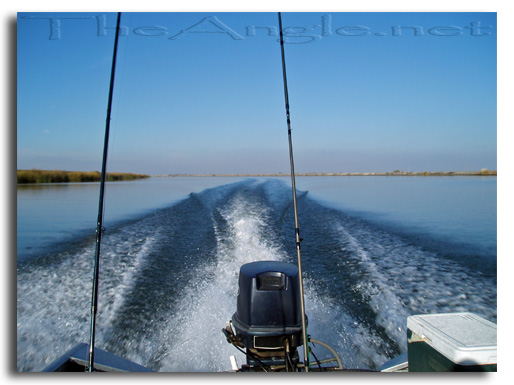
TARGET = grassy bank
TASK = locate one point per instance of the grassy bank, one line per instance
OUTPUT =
(58, 176)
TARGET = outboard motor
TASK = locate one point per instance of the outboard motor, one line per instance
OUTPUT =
(268, 321)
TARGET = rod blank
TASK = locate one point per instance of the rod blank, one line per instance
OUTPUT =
(295, 206)
(99, 224)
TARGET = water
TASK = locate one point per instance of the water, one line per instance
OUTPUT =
(375, 250)
(53, 214)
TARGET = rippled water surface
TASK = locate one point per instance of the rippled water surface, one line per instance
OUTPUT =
(375, 250)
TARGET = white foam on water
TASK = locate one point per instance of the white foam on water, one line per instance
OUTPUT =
(54, 300)
(192, 339)
(193, 332)
(380, 292)
(115, 291)
(52, 311)
(395, 279)
(399, 280)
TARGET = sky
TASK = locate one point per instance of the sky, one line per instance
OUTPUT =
(202, 92)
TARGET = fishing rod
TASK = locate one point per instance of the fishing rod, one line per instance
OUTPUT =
(99, 225)
(295, 206)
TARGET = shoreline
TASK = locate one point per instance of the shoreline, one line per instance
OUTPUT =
(57, 176)
(396, 173)
(36, 176)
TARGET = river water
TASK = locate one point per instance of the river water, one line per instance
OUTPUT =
(375, 250)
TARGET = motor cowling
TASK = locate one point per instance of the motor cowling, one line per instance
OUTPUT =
(268, 315)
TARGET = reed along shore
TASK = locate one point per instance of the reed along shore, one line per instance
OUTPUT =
(58, 176)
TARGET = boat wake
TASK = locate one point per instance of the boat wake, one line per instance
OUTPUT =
(168, 282)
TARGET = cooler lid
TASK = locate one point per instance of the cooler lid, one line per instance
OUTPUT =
(464, 338)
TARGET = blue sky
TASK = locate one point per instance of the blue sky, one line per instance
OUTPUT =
(203, 92)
